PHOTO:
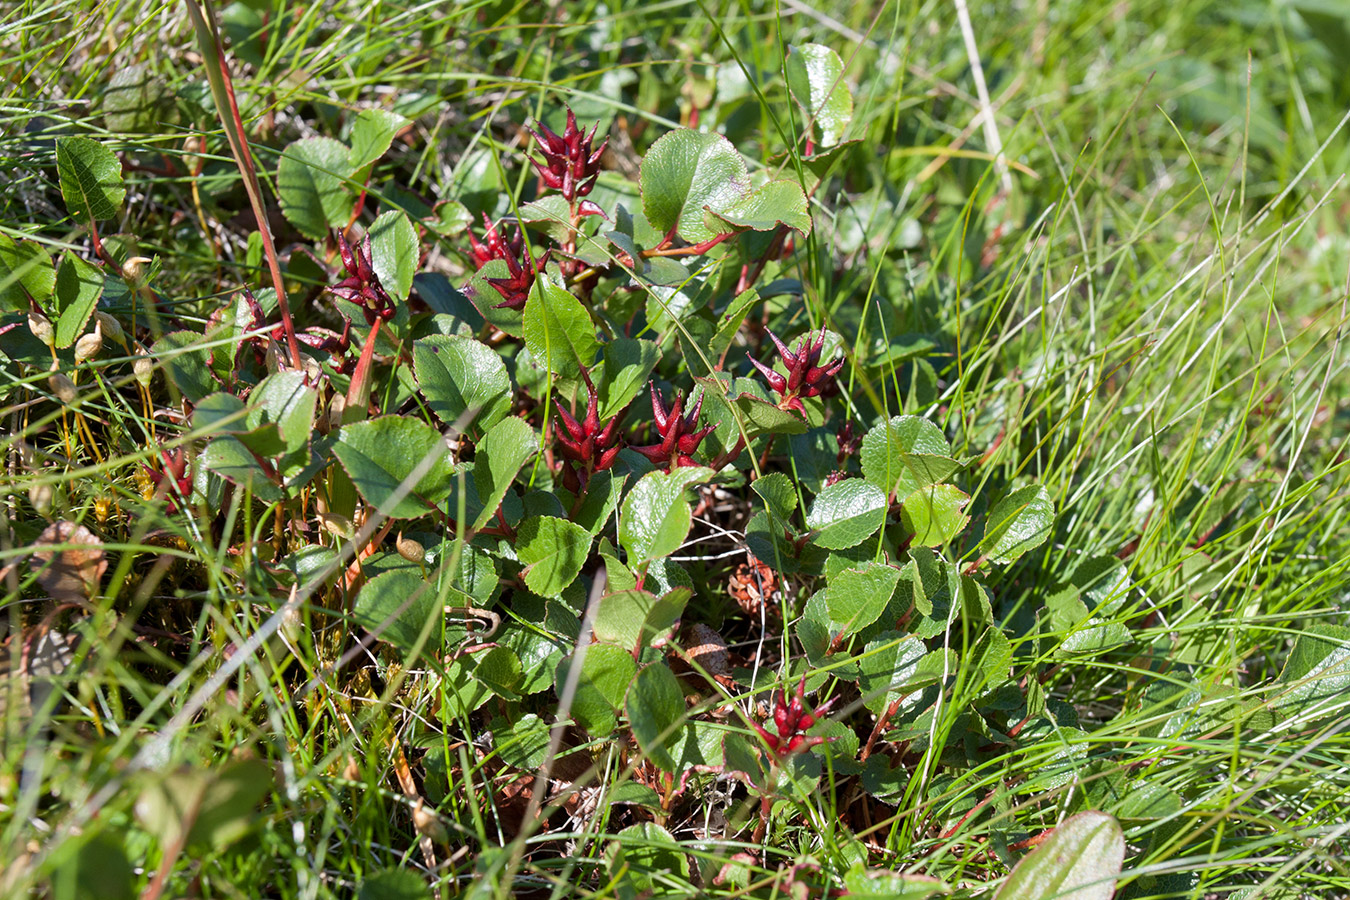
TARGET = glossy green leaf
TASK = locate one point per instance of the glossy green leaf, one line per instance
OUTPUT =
(506, 447)
(606, 672)
(394, 884)
(889, 668)
(655, 516)
(521, 743)
(846, 513)
(310, 185)
(1079, 860)
(778, 494)
(136, 102)
(627, 366)
(934, 514)
(815, 78)
(26, 271)
(655, 707)
(498, 669)
(457, 374)
(379, 454)
(686, 172)
(776, 203)
(880, 884)
(857, 596)
(91, 178)
(1317, 673)
(229, 458)
(78, 287)
(286, 401)
(394, 252)
(395, 606)
(1021, 522)
(633, 618)
(558, 330)
(373, 131)
(186, 364)
(642, 856)
(553, 551)
(905, 454)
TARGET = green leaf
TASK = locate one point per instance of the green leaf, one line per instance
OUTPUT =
(397, 605)
(284, 400)
(1079, 859)
(558, 330)
(229, 458)
(135, 101)
(778, 494)
(730, 321)
(605, 675)
(776, 203)
(905, 454)
(655, 707)
(686, 172)
(500, 670)
(1317, 672)
(92, 868)
(627, 366)
(737, 404)
(655, 518)
(78, 287)
(186, 364)
(880, 884)
(553, 551)
(632, 619)
(379, 454)
(91, 178)
(856, 597)
(1021, 522)
(214, 807)
(310, 185)
(846, 513)
(394, 884)
(373, 131)
(458, 374)
(641, 853)
(394, 252)
(889, 669)
(25, 271)
(934, 514)
(506, 447)
(521, 743)
(815, 78)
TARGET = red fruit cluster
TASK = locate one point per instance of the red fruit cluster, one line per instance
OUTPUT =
(792, 720)
(680, 435)
(570, 165)
(362, 286)
(806, 376)
(515, 289)
(586, 446)
(174, 467)
(316, 339)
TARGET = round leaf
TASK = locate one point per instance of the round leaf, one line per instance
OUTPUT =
(25, 271)
(394, 252)
(934, 514)
(553, 551)
(396, 606)
(558, 330)
(655, 518)
(310, 179)
(655, 707)
(856, 597)
(1021, 522)
(458, 374)
(686, 172)
(380, 454)
(606, 673)
(91, 178)
(815, 78)
(1079, 860)
(846, 513)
